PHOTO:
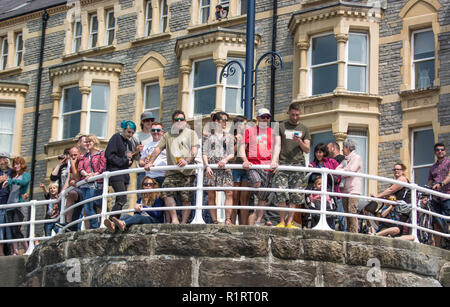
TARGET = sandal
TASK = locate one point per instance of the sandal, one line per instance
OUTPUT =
(110, 225)
(120, 224)
(216, 222)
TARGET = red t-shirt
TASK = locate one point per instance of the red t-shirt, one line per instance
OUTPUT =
(259, 142)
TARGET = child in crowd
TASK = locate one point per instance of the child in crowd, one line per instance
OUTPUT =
(53, 208)
(316, 198)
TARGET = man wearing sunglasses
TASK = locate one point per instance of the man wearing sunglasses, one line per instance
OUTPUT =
(439, 179)
(181, 144)
(157, 132)
(257, 149)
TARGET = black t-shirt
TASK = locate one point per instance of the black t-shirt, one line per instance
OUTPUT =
(339, 158)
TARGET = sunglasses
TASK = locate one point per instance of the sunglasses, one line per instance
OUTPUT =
(156, 130)
(147, 184)
(148, 120)
(178, 119)
(265, 116)
(439, 149)
(397, 169)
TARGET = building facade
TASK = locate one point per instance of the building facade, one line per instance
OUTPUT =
(375, 72)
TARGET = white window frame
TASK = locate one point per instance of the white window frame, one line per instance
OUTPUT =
(61, 114)
(348, 63)
(201, 9)
(89, 110)
(413, 62)
(2, 107)
(413, 166)
(148, 21)
(108, 29)
(226, 85)
(163, 18)
(191, 86)
(311, 67)
(76, 36)
(92, 32)
(19, 52)
(365, 158)
(4, 53)
(145, 99)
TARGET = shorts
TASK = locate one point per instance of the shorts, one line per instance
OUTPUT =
(176, 181)
(288, 180)
(259, 175)
(239, 175)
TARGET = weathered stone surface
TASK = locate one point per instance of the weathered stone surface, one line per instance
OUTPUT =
(210, 255)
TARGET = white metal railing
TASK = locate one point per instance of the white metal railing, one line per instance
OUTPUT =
(198, 207)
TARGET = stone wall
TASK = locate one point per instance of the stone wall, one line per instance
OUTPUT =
(211, 255)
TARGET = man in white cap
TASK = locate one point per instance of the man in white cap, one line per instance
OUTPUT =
(257, 149)
(142, 138)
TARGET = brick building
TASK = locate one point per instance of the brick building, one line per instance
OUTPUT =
(376, 73)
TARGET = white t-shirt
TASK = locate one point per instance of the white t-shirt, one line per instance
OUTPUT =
(161, 160)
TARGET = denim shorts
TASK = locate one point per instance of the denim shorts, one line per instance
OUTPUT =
(239, 175)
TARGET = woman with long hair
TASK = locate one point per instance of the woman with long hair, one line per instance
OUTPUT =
(148, 200)
(18, 186)
(92, 164)
(53, 210)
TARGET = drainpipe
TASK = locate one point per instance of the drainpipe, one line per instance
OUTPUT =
(272, 71)
(45, 17)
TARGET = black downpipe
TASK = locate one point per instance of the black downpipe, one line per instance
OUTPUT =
(272, 71)
(45, 17)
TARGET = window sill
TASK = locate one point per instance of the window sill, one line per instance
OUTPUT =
(151, 38)
(11, 71)
(228, 22)
(89, 52)
(419, 99)
(55, 148)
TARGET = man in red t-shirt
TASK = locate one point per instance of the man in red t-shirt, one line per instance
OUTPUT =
(257, 149)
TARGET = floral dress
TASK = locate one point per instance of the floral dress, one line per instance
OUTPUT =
(217, 147)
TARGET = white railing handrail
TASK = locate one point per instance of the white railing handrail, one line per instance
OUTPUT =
(200, 188)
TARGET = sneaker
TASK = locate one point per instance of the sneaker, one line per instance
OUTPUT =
(291, 225)
(257, 224)
(281, 225)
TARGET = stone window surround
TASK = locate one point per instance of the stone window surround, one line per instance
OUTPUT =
(141, 6)
(83, 73)
(11, 36)
(13, 94)
(88, 9)
(418, 15)
(219, 45)
(150, 69)
(233, 11)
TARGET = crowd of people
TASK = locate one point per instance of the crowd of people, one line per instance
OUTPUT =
(245, 143)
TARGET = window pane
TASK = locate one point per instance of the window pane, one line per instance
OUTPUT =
(71, 124)
(321, 137)
(94, 24)
(361, 150)
(424, 72)
(205, 73)
(421, 175)
(243, 7)
(357, 48)
(98, 124)
(111, 20)
(7, 119)
(152, 96)
(423, 45)
(356, 80)
(72, 99)
(324, 79)
(6, 141)
(423, 147)
(233, 101)
(235, 79)
(155, 113)
(99, 97)
(205, 101)
(324, 49)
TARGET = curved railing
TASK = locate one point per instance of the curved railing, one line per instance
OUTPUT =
(198, 207)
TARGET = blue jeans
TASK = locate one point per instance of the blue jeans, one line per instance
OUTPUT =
(89, 207)
(340, 208)
(138, 219)
(48, 227)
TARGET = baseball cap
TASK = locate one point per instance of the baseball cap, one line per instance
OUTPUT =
(4, 155)
(263, 111)
(147, 115)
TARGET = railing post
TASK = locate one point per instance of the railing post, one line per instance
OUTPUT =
(32, 228)
(198, 219)
(414, 215)
(104, 198)
(62, 214)
(322, 224)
